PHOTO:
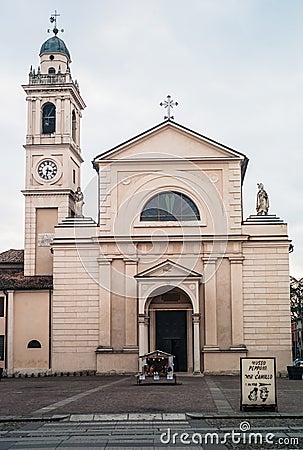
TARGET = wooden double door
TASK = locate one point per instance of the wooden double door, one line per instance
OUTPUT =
(171, 336)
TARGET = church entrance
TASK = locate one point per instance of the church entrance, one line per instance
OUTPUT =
(170, 330)
(171, 336)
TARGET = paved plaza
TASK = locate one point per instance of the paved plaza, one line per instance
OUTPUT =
(114, 412)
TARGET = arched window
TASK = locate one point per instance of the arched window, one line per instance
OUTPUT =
(74, 125)
(52, 71)
(48, 118)
(34, 344)
(169, 206)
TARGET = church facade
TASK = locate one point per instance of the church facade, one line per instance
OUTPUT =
(169, 264)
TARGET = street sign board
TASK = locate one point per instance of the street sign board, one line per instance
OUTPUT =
(258, 383)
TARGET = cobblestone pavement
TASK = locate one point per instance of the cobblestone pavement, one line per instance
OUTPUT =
(121, 394)
(113, 412)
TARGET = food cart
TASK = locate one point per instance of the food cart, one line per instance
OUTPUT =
(156, 367)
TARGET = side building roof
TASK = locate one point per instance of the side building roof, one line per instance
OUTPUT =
(18, 282)
(12, 256)
(12, 275)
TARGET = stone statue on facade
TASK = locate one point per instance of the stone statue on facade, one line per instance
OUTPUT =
(79, 202)
(262, 201)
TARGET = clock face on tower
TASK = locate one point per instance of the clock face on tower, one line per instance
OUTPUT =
(47, 169)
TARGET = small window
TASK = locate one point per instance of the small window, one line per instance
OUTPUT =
(169, 206)
(74, 176)
(51, 70)
(74, 125)
(48, 118)
(1, 306)
(34, 344)
(1, 348)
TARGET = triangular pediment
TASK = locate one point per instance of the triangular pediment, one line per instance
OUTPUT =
(156, 354)
(168, 269)
(169, 140)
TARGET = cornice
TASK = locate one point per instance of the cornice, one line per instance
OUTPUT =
(43, 90)
(46, 193)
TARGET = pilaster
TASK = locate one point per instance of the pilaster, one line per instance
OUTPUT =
(236, 264)
(130, 305)
(30, 120)
(104, 305)
(37, 119)
(197, 353)
(143, 322)
(59, 114)
(210, 290)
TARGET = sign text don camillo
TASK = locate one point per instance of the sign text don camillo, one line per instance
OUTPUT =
(258, 382)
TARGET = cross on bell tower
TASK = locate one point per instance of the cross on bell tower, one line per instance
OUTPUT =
(53, 19)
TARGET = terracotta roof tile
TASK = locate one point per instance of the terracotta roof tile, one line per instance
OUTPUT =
(12, 256)
(17, 281)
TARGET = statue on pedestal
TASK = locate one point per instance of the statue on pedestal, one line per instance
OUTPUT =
(79, 202)
(262, 201)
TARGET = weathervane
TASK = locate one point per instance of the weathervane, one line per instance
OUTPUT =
(168, 103)
(52, 19)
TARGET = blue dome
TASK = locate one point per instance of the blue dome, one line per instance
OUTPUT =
(54, 45)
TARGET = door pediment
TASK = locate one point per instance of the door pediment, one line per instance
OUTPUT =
(168, 270)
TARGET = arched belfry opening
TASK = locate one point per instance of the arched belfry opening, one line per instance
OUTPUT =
(74, 126)
(170, 325)
(48, 118)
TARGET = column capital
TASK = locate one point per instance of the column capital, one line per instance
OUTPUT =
(104, 261)
(196, 318)
(209, 259)
(132, 260)
(236, 259)
(143, 318)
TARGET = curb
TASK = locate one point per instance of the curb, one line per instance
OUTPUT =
(240, 415)
(160, 417)
(54, 418)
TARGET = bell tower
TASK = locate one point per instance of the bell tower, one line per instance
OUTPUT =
(53, 154)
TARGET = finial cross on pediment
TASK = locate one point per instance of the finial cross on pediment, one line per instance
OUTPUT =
(169, 104)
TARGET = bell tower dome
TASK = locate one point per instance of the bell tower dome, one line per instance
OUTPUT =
(56, 47)
(53, 154)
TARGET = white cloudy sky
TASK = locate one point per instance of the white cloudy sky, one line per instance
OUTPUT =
(234, 66)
